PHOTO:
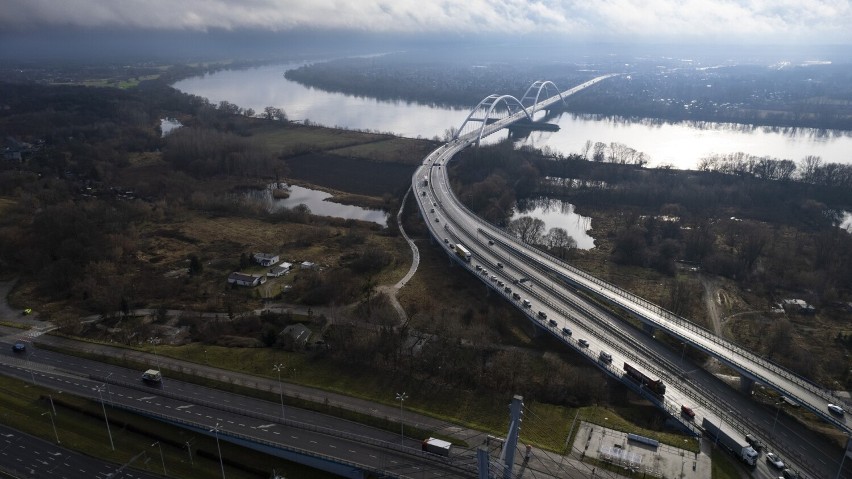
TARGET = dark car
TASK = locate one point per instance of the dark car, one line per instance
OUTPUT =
(19, 347)
(790, 474)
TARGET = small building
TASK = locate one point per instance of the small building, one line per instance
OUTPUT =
(279, 270)
(266, 259)
(298, 334)
(307, 265)
(243, 279)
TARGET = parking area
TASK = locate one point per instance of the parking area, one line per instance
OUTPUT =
(641, 457)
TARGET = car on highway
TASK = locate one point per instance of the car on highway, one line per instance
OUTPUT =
(835, 409)
(516, 296)
(527, 303)
(491, 242)
(687, 411)
(499, 264)
(478, 267)
(552, 322)
(605, 357)
(542, 315)
(19, 347)
(774, 460)
(566, 331)
(754, 442)
(27, 311)
(583, 343)
(790, 474)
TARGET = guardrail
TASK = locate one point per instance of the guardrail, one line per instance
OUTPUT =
(701, 393)
(450, 462)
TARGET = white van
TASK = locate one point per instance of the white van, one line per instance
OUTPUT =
(152, 376)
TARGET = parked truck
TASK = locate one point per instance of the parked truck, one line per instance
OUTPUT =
(732, 441)
(437, 446)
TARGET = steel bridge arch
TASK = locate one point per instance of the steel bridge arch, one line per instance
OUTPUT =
(540, 86)
(491, 101)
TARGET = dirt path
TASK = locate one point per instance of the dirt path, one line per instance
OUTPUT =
(711, 298)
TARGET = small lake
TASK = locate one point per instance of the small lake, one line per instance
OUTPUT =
(317, 202)
(558, 214)
(846, 222)
(168, 125)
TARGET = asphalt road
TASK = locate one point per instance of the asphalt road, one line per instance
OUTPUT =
(500, 263)
(25, 456)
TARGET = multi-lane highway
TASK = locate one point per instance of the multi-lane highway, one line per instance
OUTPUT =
(345, 445)
(547, 290)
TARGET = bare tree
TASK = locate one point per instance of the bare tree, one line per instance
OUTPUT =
(273, 113)
(527, 229)
(808, 168)
(558, 240)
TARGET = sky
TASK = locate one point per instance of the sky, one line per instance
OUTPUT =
(797, 22)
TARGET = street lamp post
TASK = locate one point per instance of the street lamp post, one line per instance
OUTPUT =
(278, 368)
(401, 397)
(162, 457)
(215, 431)
(100, 390)
(155, 341)
(775, 422)
(52, 424)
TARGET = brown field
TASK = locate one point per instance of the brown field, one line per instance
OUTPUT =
(283, 136)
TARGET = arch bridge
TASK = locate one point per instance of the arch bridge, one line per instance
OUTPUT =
(494, 108)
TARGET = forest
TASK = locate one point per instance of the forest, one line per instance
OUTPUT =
(806, 95)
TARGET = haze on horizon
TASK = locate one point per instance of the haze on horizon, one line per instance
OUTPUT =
(46, 27)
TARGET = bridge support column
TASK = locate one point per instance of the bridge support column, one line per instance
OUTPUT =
(508, 454)
(649, 329)
(482, 462)
(746, 385)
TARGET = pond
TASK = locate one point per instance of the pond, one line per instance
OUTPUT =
(558, 214)
(319, 204)
(168, 125)
(846, 221)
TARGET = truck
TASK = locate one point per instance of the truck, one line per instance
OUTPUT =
(152, 376)
(463, 252)
(731, 440)
(437, 446)
(656, 386)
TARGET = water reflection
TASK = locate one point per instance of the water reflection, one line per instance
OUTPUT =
(681, 145)
(317, 202)
(558, 214)
(168, 125)
(846, 221)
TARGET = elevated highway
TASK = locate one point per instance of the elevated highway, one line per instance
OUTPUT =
(551, 287)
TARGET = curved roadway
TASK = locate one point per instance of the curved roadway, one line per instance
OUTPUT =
(550, 286)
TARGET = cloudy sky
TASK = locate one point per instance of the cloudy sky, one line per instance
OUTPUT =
(763, 21)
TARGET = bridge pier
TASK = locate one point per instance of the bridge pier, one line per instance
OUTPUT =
(746, 385)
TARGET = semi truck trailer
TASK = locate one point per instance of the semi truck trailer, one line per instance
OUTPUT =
(732, 441)
(437, 446)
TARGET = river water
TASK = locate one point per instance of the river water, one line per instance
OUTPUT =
(680, 144)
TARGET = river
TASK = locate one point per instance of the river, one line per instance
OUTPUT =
(679, 144)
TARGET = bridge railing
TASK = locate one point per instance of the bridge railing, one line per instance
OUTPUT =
(274, 419)
(665, 314)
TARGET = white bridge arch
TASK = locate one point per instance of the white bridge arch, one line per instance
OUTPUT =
(512, 104)
(490, 102)
(539, 86)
